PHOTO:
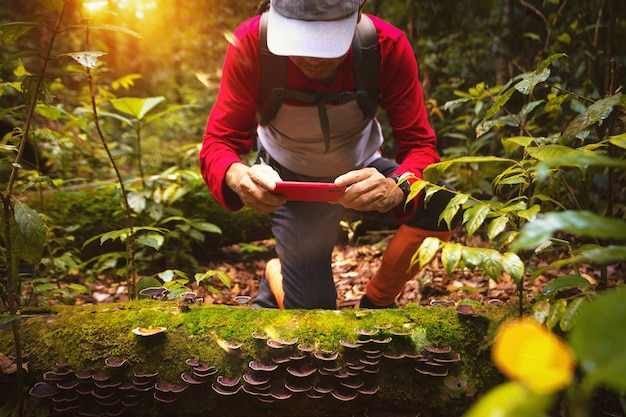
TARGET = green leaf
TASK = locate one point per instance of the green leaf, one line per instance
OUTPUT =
(529, 213)
(451, 256)
(555, 103)
(531, 35)
(548, 199)
(512, 144)
(427, 251)
(434, 171)
(28, 232)
(496, 227)
(472, 257)
(416, 188)
(564, 38)
(125, 81)
(135, 106)
(222, 276)
(530, 80)
(549, 60)
(11, 31)
(500, 101)
(511, 399)
(152, 240)
(121, 234)
(557, 310)
(582, 223)
(619, 140)
(513, 265)
(541, 310)
(512, 175)
(563, 283)
(492, 263)
(205, 226)
(597, 112)
(571, 313)
(43, 288)
(79, 289)
(578, 158)
(453, 207)
(4, 320)
(474, 217)
(528, 108)
(167, 275)
(51, 112)
(603, 255)
(599, 341)
(545, 152)
(119, 117)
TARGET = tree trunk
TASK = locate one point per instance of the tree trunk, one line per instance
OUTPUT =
(503, 72)
(429, 361)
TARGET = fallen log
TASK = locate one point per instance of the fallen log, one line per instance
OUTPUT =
(158, 358)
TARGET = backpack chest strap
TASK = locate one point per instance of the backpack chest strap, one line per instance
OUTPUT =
(341, 97)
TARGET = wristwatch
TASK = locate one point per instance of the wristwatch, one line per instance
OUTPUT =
(402, 183)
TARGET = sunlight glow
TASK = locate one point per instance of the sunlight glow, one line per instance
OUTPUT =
(137, 7)
(95, 5)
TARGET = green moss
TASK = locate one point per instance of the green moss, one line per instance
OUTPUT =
(83, 337)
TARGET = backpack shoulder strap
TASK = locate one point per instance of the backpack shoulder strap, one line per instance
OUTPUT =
(273, 76)
(367, 66)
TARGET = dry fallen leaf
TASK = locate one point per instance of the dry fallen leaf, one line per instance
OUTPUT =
(9, 366)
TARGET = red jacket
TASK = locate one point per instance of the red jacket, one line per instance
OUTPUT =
(231, 125)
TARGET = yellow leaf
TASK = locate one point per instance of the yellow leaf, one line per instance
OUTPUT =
(526, 351)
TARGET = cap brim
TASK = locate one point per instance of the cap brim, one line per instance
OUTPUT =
(319, 39)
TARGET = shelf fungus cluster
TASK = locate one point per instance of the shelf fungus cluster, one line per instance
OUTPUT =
(100, 393)
(283, 369)
(291, 367)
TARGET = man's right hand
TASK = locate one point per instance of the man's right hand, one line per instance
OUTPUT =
(253, 185)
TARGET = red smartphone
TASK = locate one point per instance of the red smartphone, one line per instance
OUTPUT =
(309, 191)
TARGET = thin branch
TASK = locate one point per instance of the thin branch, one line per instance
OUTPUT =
(535, 10)
(129, 217)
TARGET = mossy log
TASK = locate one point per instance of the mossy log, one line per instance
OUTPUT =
(431, 361)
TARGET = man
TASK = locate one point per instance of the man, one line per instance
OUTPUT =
(324, 141)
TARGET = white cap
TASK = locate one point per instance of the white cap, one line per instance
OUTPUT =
(312, 28)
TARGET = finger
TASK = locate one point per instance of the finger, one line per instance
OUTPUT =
(264, 175)
(357, 176)
(264, 203)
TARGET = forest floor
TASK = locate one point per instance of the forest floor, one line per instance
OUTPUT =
(354, 264)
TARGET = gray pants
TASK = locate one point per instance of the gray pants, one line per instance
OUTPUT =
(306, 234)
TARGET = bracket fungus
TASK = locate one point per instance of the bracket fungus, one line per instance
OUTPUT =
(156, 293)
(149, 331)
(261, 366)
(226, 386)
(44, 390)
(282, 368)
(114, 363)
(469, 310)
(242, 299)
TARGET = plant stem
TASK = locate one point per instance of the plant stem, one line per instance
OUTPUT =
(131, 266)
(11, 261)
(129, 216)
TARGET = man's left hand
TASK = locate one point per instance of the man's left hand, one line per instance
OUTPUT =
(369, 190)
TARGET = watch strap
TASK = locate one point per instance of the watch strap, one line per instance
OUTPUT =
(403, 184)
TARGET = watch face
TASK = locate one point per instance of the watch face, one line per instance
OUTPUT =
(405, 187)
